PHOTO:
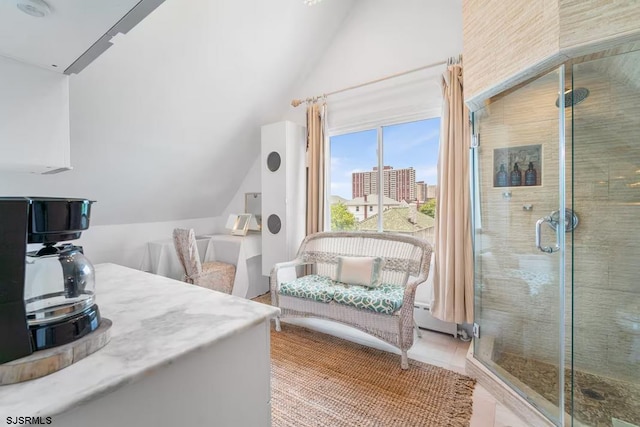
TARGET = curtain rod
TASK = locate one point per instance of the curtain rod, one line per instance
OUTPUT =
(449, 61)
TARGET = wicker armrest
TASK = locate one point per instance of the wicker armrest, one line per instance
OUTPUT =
(410, 294)
(282, 272)
(285, 271)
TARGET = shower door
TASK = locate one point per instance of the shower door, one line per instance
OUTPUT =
(605, 154)
(519, 195)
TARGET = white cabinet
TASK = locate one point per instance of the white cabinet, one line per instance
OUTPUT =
(283, 192)
(34, 118)
(224, 384)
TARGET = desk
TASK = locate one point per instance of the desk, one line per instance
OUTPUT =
(245, 252)
(161, 258)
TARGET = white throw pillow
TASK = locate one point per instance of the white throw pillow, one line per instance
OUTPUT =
(363, 271)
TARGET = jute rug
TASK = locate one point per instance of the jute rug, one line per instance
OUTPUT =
(321, 380)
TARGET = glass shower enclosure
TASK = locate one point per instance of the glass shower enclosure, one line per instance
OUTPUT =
(557, 240)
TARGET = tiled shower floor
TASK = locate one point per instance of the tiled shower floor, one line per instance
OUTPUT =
(597, 399)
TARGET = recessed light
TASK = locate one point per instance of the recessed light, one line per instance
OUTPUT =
(37, 8)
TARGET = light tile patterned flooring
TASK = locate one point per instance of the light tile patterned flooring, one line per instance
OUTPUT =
(436, 349)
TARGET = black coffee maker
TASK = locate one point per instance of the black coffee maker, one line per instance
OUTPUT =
(47, 296)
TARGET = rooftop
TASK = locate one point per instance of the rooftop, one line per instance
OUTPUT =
(397, 220)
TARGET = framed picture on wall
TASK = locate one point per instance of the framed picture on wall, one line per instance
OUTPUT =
(517, 166)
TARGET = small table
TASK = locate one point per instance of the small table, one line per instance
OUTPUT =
(245, 252)
(161, 257)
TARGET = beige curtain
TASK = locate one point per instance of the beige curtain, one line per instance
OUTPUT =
(453, 275)
(315, 167)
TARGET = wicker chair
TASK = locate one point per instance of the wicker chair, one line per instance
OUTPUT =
(406, 263)
(215, 275)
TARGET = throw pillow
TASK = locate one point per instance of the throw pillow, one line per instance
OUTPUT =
(363, 271)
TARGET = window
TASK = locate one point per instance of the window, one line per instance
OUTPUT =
(406, 169)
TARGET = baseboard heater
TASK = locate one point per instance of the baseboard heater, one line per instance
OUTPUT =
(424, 319)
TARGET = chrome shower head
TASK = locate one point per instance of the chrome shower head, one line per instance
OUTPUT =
(573, 97)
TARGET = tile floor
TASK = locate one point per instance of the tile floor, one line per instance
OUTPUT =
(436, 349)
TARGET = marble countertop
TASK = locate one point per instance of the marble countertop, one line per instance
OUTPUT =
(156, 320)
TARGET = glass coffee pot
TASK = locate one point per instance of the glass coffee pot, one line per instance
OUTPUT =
(59, 283)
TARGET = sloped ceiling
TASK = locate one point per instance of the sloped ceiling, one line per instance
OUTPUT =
(55, 41)
(166, 123)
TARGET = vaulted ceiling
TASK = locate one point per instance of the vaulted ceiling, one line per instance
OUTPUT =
(166, 123)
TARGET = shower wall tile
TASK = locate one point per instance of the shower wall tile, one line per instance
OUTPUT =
(596, 308)
(623, 262)
(587, 21)
(507, 43)
(606, 196)
(543, 347)
(497, 34)
(593, 229)
(620, 223)
(590, 351)
(591, 266)
(504, 328)
(623, 351)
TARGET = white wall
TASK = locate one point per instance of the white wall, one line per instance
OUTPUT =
(165, 125)
(381, 38)
(250, 184)
(126, 244)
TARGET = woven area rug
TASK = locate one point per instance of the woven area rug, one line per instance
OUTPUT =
(321, 380)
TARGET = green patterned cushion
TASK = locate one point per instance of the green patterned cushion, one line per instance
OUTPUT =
(317, 288)
(384, 299)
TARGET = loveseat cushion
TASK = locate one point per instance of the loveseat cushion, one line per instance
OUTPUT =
(359, 270)
(313, 286)
(385, 299)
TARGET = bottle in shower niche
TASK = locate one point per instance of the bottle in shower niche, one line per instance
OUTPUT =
(530, 175)
(516, 176)
(501, 177)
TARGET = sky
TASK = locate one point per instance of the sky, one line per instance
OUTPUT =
(413, 144)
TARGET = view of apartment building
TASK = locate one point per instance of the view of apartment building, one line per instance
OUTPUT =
(399, 184)
(425, 191)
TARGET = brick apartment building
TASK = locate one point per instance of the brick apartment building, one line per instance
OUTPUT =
(399, 184)
(425, 191)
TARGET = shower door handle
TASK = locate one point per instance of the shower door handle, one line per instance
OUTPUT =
(545, 249)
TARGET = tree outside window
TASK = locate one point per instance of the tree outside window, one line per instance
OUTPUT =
(341, 218)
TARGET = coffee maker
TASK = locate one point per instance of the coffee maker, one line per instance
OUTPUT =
(47, 296)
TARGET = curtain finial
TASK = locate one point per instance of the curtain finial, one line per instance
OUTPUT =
(453, 60)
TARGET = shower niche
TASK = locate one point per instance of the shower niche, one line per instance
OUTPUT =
(561, 328)
(518, 166)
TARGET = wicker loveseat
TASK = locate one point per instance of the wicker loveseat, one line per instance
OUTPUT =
(405, 264)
